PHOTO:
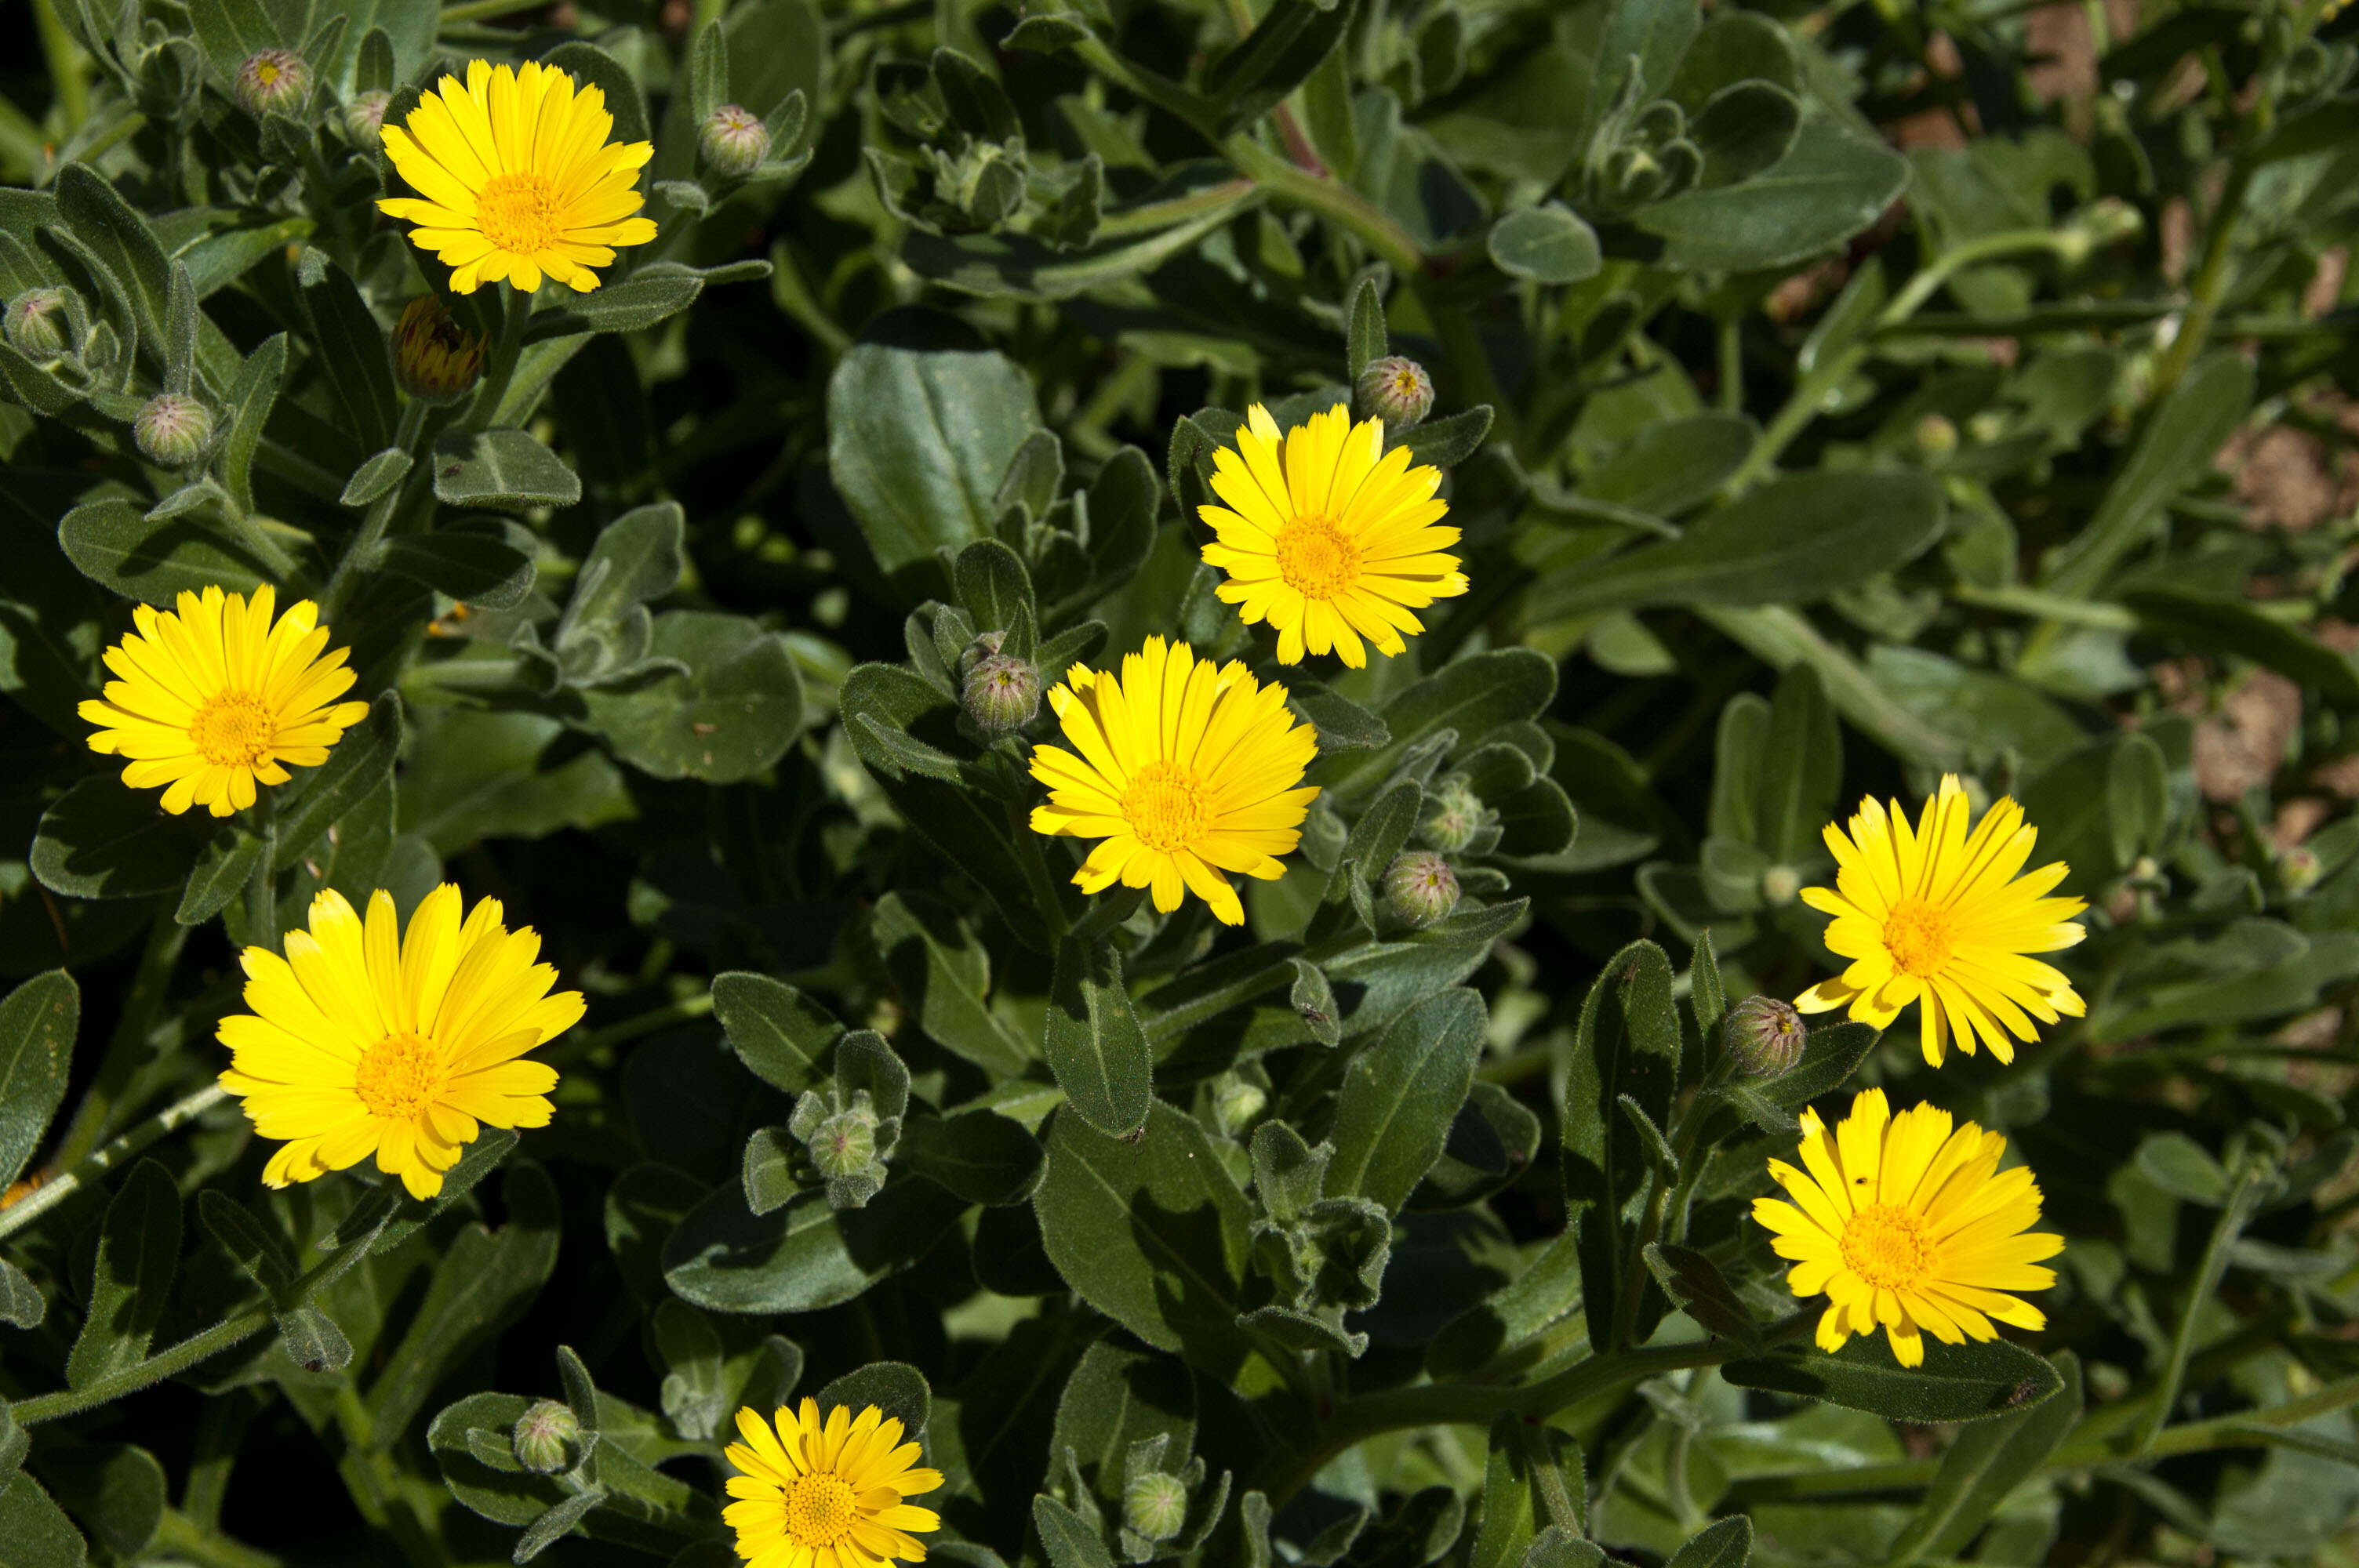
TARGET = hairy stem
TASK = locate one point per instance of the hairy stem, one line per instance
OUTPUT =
(126, 1049)
(52, 1193)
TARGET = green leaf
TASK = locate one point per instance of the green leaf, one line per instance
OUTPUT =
(507, 469)
(117, 546)
(805, 1256)
(131, 1285)
(374, 477)
(1830, 1056)
(1118, 1396)
(1797, 538)
(1548, 243)
(485, 1281)
(780, 1033)
(1152, 1232)
(732, 714)
(1365, 338)
(592, 67)
(1983, 1465)
(121, 241)
(1067, 1537)
(1743, 129)
(1831, 183)
(944, 974)
(980, 1155)
(103, 839)
(1801, 769)
(255, 1248)
(222, 873)
(897, 1389)
(1287, 41)
(921, 424)
(1627, 1042)
(1473, 697)
(1974, 1381)
(352, 354)
(37, 1021)
(479, 567)
(1446, 443)
(34, 1532)
(21, 1306)
(1093, 1043)
(1696, 1287)
(247, 410)
(1725, 1545)
(2220, 625)
(650, 295)
(1401, 1095)
(2175, 450)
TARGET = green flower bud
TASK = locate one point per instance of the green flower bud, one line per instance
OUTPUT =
(844, 1144)
(365, 118)
(1987, 425)
(733, 141)
(548, 1438)
(1001, 694)
(36, 324)
(1453, 817)
(1763, 1037)
(1154, 1505)
(1397, 391)
(2108, 220)
(2299, 869)
(1778, 886)
(435, 360)
(1936, 437)
(274, 82)
(1236, 1102)
(1420, 888)
(173, 429)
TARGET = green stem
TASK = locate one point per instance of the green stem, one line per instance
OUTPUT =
(1732, 366)
(221, 1428)
(126, 1050)
(177, 1360)
(2210, 283)
(1548, 1483)
(379, 517)
(1035, 872)
(69, 76)
(2225, 1231)
(50, 1194)
(375, 1483)
(2048, 606)
(195, 1541)
(262, 892)
(501, 368)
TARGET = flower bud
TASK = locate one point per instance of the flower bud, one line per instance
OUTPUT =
(1778, 886)
(1420, 888)
(548, 1438)
(365, 118)
(1001, 694)
(1397, 391)
(1453, 817)
(2299, 869)
(274, 82)
(2105, 221)
(844, 1144)
(1936, 436)
(1763, 1037)
(733, 141)
(1987, 425)
(435, 360)
(173, 429)
(36, 324)
(1154, 1505)
(1236, 1102)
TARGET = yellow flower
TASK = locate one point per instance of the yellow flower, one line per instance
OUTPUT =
(1938, 916)
(364, 1041)
(518, 178)
(214, 698)
(1328, 536)
(1184, 769)
(1901, 1221)
(434, 359)
(828, 1494)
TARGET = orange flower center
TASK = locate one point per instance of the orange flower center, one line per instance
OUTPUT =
(519, 213)
(233, 730)
(1317, 560)
(819, 1508)
(1920, 936)
(1886, 1245)
(399, 1077)
(1164, 807)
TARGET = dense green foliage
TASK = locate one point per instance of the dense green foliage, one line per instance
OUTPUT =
(1833, 397)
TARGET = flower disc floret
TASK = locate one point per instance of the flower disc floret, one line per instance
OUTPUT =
(1940, 915)
(813, 1490)
(367, 1038)
(1186, 771)
(1327, 537)
(217, 697)
(516, 179)
(1906, 1222)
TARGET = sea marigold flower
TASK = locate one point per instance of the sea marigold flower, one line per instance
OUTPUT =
(517, 178)
(1901, 1221)
(364, 1040)
(1328, 536)
(215, 697)
(827, 1492)
(1184, 769)
(1938, 916)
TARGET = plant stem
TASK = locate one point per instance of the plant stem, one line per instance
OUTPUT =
(195, 1541)
(68, 75)
(178, 1359)
(50, 1194)
(1546, 1476)
(372, 531)
(501, 369)
(2225, 1231)
(262, 892)
(2211, 284)
(126, 1051)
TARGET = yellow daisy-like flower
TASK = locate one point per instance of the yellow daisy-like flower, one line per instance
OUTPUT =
(1328, 536)
(365, 1040)
(1938, 916)
(1184, 769)
(826, 1493)
(1899, 1220)
(216, 697)
(518, 178)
